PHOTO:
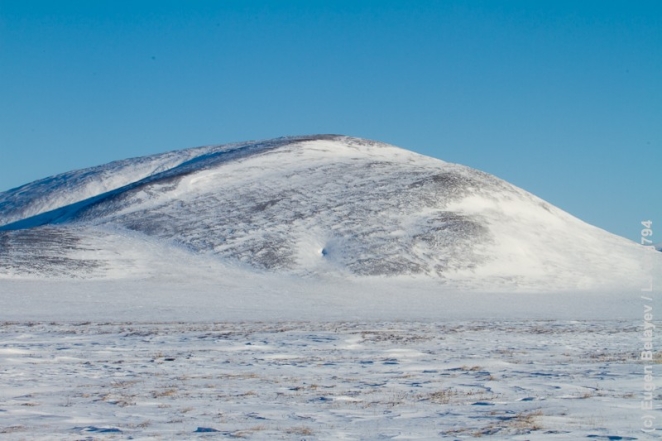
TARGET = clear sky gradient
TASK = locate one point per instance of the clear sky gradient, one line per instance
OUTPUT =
(562, 98)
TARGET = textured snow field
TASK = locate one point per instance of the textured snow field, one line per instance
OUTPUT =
(509, 379)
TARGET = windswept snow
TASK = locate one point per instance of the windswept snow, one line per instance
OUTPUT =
(515, 380)
(321, 206)
(58, 191)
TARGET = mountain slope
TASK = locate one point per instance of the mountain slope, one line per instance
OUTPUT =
(326, 206)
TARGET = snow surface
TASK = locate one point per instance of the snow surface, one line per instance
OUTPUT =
(314, 288)
(328, 207)
(68, 188)
(514, 380)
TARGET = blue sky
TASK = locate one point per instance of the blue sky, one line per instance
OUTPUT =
(563, 99)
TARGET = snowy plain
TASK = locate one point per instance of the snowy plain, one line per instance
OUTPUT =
(517, 380)
(285, 358)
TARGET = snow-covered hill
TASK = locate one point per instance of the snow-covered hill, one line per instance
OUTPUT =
(329, 207)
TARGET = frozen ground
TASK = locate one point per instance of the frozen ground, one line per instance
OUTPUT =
(294, 358)
(510, 379)
(287, 358)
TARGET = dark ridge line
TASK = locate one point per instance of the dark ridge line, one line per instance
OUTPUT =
(236, 150)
